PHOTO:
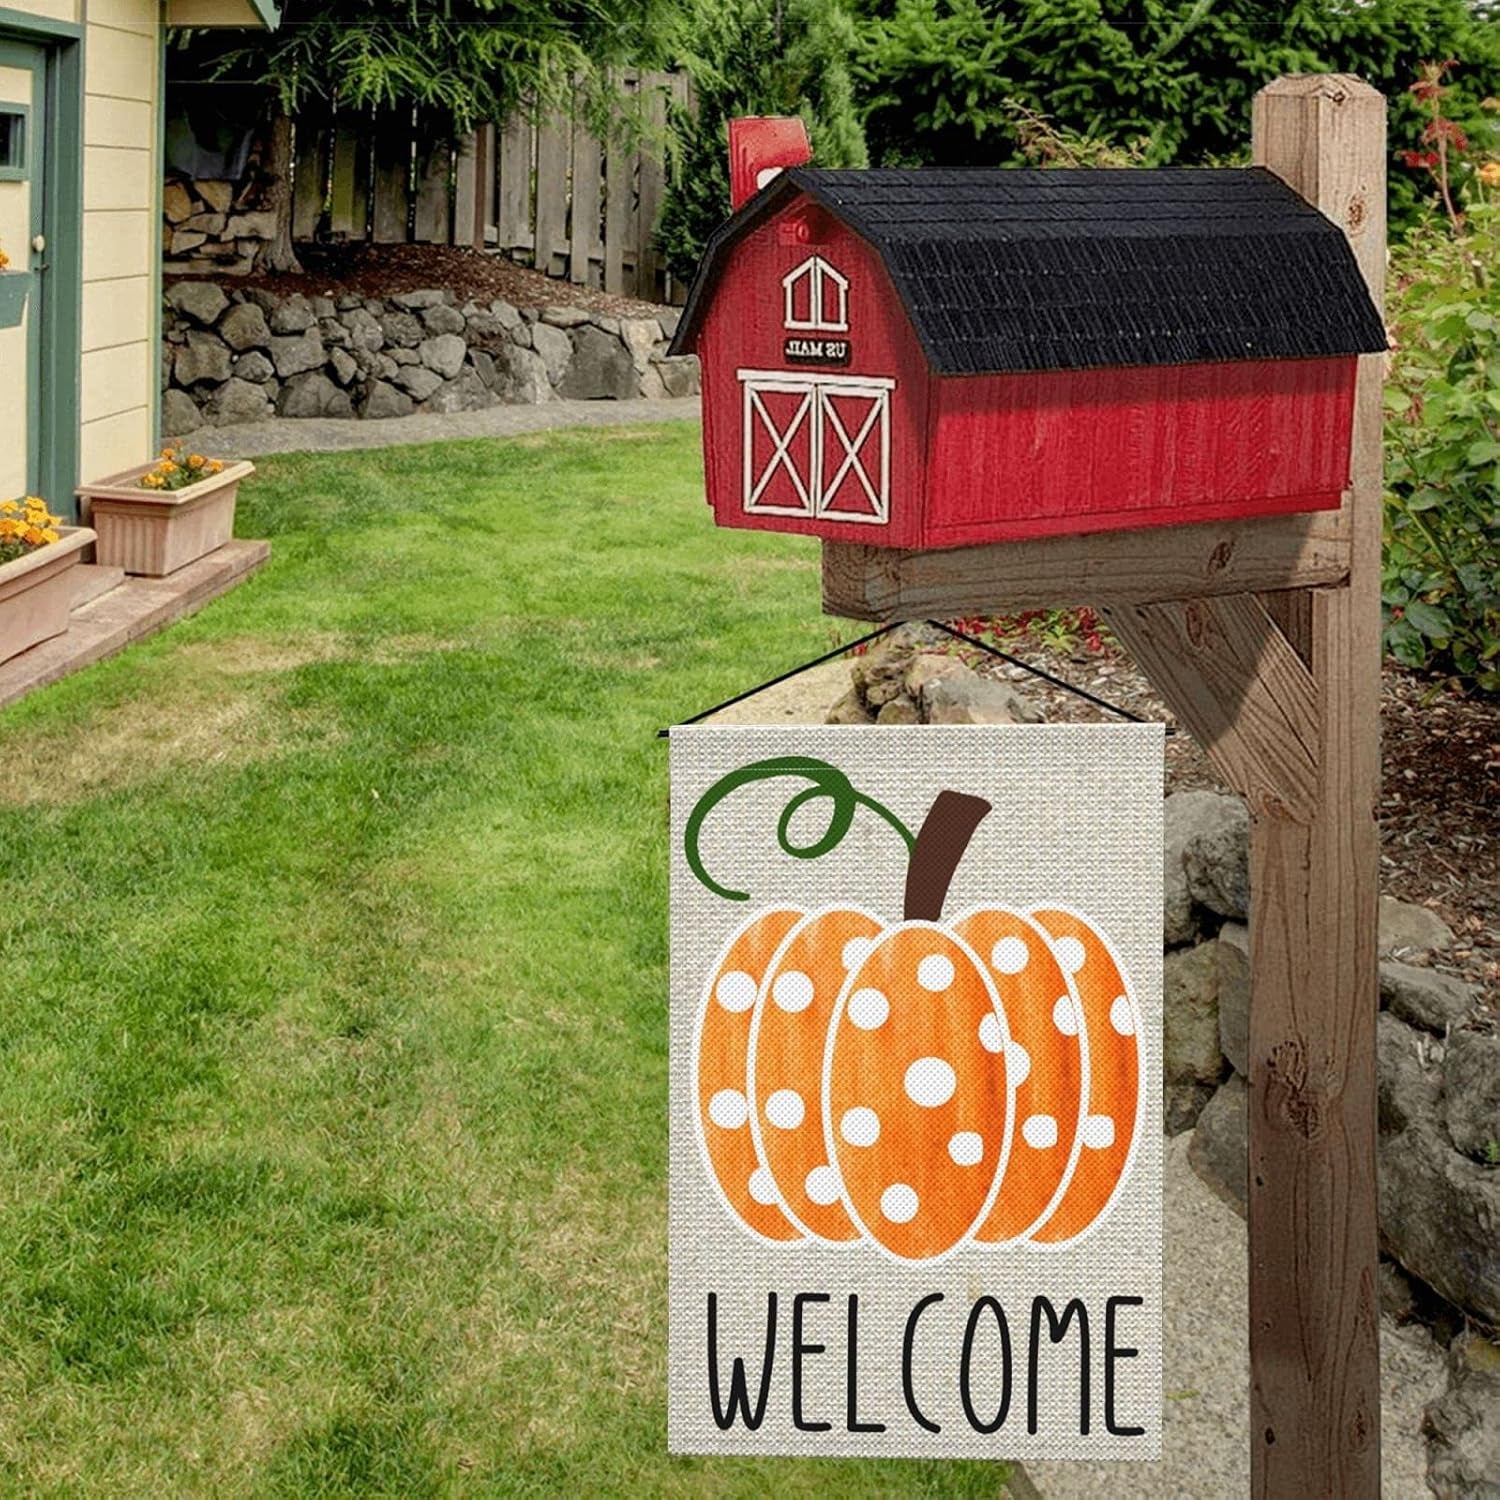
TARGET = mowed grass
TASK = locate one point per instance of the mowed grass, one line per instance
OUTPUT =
(333, 945)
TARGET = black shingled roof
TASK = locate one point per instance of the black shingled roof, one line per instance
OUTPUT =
(1006, 270)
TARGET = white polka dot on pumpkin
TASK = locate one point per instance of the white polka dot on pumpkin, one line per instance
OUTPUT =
(899, 1203)
(792, 991)
(930, 1082)
(935, 973)
(1039, 1132)
(1098, 1131)
(762, 1187)
(735, 990)
(1010, 955)
(868, 1009)
(1018, 1061)
(1065, 1015)
(860, 1126)
(823, 1185)
(785, 1109)
(1121, 1016)
(856, 950)
(966, 1148)
(1070, 954)
(728, 1109)
(991, 1033)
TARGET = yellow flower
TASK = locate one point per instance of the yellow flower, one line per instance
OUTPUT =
(195, 460)
(33, 536)
(8, 507)
(51, 533)
(9, 529)
(1489, 174)
(217, 466)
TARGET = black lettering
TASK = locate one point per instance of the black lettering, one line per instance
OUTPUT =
(1112, 1352)
(1058, 1331)
(907, 1344)
(739, 1396)
(851, 1407)
(799, 1348)
(966, 1362)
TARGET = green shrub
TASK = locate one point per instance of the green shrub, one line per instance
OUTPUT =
(755, 57)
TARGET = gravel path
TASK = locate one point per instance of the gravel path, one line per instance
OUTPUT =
(335, 434)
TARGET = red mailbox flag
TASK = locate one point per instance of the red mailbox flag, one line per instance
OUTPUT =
(760, 146)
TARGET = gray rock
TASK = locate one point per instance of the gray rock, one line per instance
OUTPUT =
(417, 381)
(880, 674)
(601, 369)
(850, 709)
(364, 328)
(216, 193)
(383, 400)
(1220, 1148)
(1407, 1080)
(347, 302)
(530, 314)
(254, 367)
(179, 413)
(335, 335)
(652, 387)
(1182, 1104)
(1234, 996)
(1423, 997)
(679, 374)
(256, 226)
(968, 698)
(238, 401)
(565, 317)
(267, 301)
(244, 327)
(375, 307)
(295, 315)
(521, 376)
(402, 329)
(313, 394)
(442, 319)
(1216, 855)
(1190, 1018)
(639, 335)
(483, 330)
(899, 710)
(402, 356)
(1471, 1097)
(385, 366)
(1398, 1292)
(419, 300)
(444, 352)
(520, 335)
(209, 223)
(1183, 815)
(668, 319)
(201, 301)
(323, 307)
(484, 364)
(343, 366)
(1463, 1425)
(506, 315)
(555, 348)
(203, 357)
(1405, 928)
(926, 667)
(296, 352)
(467, 393)
(185, 241)
(606, 323)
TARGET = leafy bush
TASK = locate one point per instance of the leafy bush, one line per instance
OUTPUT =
(755, 57)
(937, 77)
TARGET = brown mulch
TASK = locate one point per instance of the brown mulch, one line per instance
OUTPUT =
(1440, 803)
(480, 276)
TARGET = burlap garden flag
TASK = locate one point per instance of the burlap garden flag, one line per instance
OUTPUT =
(915, 1091)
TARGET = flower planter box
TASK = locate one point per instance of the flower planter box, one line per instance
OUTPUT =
(15, 286)
(152, 532)
(36, 592)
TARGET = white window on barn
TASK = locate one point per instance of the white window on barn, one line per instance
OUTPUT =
(817, 446)
(816, 297)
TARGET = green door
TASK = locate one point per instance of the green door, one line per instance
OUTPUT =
(23, 224)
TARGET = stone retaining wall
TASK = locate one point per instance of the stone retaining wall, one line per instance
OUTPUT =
(245, 354)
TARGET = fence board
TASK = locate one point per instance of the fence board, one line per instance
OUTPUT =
(652, 184)
(430, 217)
(468, 226)
(310, 174)
(552, 156)
(392, 174)
(619, 199)
(586, 241)
(513, 203)
(349, 203)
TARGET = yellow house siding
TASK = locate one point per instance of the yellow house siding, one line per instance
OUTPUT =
(121, 234)
(54, 10)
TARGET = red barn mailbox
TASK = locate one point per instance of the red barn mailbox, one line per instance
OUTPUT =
(928, 359)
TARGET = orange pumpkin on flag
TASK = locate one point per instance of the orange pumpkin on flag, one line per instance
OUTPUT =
(919, 1085)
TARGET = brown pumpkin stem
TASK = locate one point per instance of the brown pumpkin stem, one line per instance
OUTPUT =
(941, 841)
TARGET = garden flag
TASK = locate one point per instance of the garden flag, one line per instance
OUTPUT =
(915, 1192)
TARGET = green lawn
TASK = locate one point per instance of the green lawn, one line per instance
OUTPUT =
(332, 960)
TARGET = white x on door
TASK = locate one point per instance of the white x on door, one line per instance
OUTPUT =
(817, 445)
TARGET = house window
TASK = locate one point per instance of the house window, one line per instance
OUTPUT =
(816, 297)
(817, 446)
(13, 122)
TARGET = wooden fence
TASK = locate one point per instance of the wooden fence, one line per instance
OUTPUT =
(542, 187)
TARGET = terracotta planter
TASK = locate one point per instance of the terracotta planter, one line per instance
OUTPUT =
(36, 592)
(154, 533)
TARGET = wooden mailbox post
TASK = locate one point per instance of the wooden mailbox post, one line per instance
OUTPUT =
(1264, 636)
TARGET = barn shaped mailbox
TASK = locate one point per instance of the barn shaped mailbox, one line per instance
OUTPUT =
(929, 359)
